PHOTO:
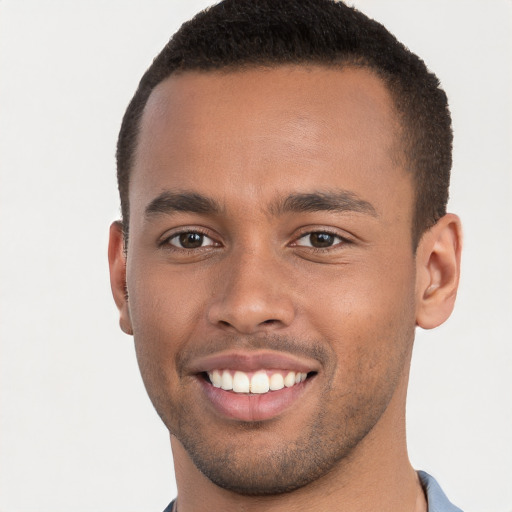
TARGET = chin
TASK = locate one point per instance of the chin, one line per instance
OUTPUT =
(259, 464)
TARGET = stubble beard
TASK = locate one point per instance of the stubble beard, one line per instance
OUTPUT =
(246, 465)
(262, 458)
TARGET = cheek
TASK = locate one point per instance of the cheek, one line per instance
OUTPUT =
(164, 299)
(165, 310)
(367, 315)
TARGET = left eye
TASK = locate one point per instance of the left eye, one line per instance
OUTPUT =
(190, 240)
(319, 240)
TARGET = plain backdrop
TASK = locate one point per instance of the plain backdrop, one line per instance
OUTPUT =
(77, 431)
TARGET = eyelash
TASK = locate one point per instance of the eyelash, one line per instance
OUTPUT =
(166, 243)
(342, 240)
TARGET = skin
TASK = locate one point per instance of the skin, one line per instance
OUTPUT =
(247, 141)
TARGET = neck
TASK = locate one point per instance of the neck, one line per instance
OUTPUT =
(377, 475)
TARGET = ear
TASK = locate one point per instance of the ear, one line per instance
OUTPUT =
(117, 265)
(438, 271)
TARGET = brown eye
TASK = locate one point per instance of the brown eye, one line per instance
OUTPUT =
(322, 239)
(190, 240)
(319, 240)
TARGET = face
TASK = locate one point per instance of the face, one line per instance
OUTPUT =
(270, 273)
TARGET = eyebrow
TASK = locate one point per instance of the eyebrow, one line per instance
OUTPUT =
(191, 202)
(338, 201)
(171, 202)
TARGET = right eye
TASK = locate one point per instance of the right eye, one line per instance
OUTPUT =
(190, 240)
(319, 240)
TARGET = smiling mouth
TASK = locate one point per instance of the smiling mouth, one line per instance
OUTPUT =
(254, 386)
(259, 382)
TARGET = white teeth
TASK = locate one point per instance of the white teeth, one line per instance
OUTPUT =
(289, 380)
(259, 383)
(216, 378)
(227, 381)
(241, 382)
(276, 382)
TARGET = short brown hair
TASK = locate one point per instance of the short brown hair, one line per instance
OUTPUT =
(237, 34)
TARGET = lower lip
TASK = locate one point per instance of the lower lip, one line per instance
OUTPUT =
(253, 407)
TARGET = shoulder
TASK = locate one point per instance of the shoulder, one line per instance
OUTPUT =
(436, 498)
(170, 507)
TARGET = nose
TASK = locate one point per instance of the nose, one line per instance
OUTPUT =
(253, 294)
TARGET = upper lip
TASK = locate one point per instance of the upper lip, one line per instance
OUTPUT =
(252, 361)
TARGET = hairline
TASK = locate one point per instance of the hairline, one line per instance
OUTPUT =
(399, 152)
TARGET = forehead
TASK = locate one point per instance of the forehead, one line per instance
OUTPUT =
(264, 129)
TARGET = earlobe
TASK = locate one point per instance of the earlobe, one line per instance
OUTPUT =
(117, 265)
(438, 271)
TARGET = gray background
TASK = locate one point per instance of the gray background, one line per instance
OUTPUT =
(77, 431)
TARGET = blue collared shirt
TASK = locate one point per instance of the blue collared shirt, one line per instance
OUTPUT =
(436, 498)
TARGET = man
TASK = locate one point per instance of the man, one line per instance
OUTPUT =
(283, 170)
